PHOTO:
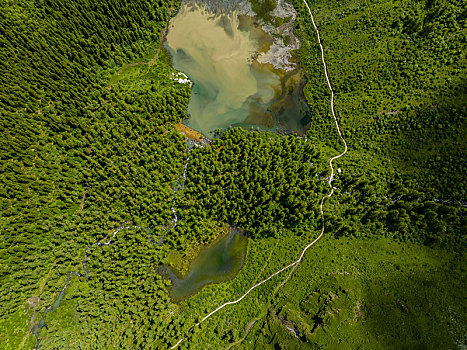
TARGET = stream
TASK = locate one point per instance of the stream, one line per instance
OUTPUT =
(179, 184)
(41, 324)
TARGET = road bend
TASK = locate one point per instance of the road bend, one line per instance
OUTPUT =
(327, 196)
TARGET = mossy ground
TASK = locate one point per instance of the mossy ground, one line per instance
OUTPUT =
(347, 294)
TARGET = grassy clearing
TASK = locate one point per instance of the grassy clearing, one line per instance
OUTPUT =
(349, 294)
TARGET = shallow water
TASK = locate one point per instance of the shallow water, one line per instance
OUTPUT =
(217, 263)
(215, 54)
(218, 53)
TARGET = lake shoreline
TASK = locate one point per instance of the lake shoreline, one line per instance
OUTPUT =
(234, 84)
(216, 262)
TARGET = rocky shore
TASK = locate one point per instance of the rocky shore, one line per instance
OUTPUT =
(279, 54)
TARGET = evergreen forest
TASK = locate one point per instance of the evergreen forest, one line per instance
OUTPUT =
(90, 154)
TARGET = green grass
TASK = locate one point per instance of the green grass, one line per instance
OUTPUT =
(349, 294)
(16, 327)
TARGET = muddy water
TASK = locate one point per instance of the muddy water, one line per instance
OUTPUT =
(218, 53)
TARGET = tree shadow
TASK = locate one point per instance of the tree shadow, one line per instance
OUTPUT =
(416, 310)
(428, 143)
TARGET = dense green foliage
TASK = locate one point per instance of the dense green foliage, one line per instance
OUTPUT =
(367, 208)
(87, 144)
(257, 181)
(348, 293)
(400, 100)
(68, 141)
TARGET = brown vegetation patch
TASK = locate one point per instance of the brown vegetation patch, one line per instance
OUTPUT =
(188, 132)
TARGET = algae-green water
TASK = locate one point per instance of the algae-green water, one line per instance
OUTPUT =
(231, 88)
(216, 263)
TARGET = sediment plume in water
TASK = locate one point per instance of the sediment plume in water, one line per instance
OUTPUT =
(216, 55)
(219, 52)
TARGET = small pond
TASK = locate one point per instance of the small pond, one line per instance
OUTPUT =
(219, 262)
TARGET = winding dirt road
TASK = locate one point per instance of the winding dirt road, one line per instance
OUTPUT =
(161, 43)
(323, 227)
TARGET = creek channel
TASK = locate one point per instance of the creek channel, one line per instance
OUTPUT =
(41, 324)
(179, 184)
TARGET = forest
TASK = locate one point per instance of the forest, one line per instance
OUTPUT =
(88, 144)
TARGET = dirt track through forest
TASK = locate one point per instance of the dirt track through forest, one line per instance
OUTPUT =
(159, 48)
(331, 177)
